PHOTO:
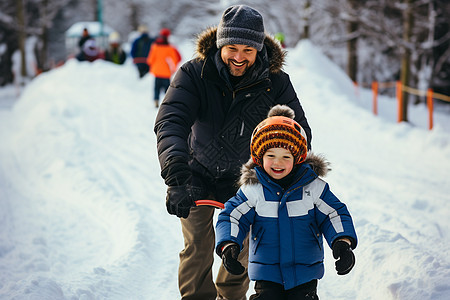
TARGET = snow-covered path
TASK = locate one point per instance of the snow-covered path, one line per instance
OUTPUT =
(78, 178)
(82, 213)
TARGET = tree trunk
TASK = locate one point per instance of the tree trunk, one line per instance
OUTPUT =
(134, 16)
(306, 12)
(352, 51)
(41, 55)
(20, 12)
(352, 43)
(406, 57)
(6, 70)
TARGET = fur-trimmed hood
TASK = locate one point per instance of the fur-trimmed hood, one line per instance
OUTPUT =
(206, 42)
(318, 164)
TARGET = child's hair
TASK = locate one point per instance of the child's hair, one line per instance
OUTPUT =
(279, 130)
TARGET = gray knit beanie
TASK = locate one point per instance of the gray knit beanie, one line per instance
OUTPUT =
(241, 24)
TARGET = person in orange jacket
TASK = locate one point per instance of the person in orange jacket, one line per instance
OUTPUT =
(163, 59)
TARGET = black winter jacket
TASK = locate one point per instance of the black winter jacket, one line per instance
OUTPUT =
(206, 123)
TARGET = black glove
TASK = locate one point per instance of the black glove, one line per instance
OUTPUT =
(342, 250)
(229, 259)
(179, 200)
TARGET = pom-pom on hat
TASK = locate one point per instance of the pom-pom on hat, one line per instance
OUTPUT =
(241, 24)
(279, 130)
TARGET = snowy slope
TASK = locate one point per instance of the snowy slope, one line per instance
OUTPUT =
(82, 212)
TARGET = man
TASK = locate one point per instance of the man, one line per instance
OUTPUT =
(84, 37)
(203, 129)
(139, 50)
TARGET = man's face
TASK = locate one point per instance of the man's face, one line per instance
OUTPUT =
(238, 58)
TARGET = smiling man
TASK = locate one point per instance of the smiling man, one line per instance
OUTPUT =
(238, 58)
(203, 128)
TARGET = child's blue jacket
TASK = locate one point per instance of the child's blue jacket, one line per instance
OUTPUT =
(285, 227)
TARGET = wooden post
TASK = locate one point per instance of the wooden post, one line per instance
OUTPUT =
(399, 101)
(430, 108)
(375, 96)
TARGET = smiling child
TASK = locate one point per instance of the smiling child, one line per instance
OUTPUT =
(285, 209)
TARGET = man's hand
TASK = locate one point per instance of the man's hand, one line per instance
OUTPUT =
(342, 250)
(179, 200)
(229, 258)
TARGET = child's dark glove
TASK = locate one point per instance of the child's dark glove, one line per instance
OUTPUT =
(229, 258)
(342, 250)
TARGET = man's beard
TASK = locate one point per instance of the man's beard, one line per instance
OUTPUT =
(237, 72)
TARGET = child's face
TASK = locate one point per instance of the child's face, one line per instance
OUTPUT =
(278, 162)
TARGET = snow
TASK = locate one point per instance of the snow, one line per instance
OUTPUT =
(82, 204)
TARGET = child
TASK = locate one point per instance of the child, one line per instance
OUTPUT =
(287, 209)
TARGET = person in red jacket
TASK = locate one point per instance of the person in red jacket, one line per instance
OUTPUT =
(163, 59)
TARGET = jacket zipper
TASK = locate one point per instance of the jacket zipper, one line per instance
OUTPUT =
(246, 87)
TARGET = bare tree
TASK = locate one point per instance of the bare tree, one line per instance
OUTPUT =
(440, 74)
(47, 11)
(408, 21)
(352, 39)
(8, 41)
(306, 18)
(20, 15)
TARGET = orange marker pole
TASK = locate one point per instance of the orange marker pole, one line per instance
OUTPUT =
(399, 101)
(375, 96)
(430, 108)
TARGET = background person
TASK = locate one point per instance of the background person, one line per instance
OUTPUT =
(114, 53)
(85, 35)
(163, 60)
(90, 52)
(139, 50)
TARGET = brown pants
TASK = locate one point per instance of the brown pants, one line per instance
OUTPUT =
(196, 260)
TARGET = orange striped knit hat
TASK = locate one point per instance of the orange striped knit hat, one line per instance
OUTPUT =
(279, 130)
